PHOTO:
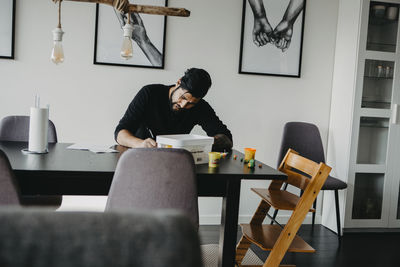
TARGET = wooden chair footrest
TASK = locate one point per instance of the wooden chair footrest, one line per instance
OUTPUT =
(265, 237)
(279, 199)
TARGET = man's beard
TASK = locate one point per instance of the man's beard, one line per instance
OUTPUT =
(171, 105)
(176, 111)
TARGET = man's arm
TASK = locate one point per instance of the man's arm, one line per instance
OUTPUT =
(125, 138)
(213, 126)
(222, 143)
(131, 122)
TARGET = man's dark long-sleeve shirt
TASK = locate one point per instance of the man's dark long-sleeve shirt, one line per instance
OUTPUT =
(150, 109)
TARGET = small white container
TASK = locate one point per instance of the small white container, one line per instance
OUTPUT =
(38, 127)
(198, 145)
(391, 13)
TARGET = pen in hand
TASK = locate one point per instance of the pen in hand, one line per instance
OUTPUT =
(151, 133)
(149, 142)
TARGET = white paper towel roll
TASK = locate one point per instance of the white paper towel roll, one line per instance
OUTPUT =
(38, 127)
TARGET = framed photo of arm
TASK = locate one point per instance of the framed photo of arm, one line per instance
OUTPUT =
(272, 37)
(7, 28)
(148, 37)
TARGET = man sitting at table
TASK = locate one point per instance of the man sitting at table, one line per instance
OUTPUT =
(172, 109)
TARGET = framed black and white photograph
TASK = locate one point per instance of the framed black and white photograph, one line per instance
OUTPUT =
(7, 28)
(148, 37)
(272, 37)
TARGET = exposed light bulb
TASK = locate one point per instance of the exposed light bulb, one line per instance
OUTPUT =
(57, 54)
(127, 50)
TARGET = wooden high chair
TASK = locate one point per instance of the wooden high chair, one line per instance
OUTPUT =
(304, 174)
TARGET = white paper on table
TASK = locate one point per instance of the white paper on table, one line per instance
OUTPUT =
(93, 148)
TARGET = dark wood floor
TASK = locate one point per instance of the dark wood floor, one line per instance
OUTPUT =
(355, 249)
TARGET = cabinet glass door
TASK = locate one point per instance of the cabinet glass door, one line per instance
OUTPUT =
(378, 84)
(368, 196)
(382, 26)
(372, 140)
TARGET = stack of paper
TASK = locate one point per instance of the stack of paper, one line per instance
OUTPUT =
(93, 148)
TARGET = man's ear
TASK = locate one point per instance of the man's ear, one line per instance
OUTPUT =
(178, 82)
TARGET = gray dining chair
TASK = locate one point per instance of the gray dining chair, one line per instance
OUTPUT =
(150, 178)
(40, 238)
(16, 129)
(9, 193)
(305, 138)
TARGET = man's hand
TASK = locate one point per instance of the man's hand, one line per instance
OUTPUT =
(221, 143)
(148, 143)
(139, 34)
(262, 31)
(283, 33)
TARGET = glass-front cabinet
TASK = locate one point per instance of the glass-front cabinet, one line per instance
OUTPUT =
(373, 198)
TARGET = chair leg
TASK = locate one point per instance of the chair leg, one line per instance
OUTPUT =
(241, 250)
(338, 215)
(313, 214)
(274, 216)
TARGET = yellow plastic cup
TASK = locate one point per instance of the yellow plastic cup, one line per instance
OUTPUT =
(249, 153)
(213, 159)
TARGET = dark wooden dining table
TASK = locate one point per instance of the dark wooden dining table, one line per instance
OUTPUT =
(64, 171)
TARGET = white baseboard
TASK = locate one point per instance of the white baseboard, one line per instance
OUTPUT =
(97, 204)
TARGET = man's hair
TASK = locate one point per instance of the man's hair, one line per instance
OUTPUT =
(196, 81)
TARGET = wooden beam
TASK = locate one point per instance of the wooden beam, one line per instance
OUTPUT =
(159, 10)
(125, 7)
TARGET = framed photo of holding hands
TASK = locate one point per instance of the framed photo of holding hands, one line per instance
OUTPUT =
(7, 28)
(272, 37)
(148, 37)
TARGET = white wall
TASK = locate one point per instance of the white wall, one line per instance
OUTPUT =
(340, 127)
(88, 100)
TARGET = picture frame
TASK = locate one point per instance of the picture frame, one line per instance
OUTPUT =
(109, 36)
(7, 28)
(272, 37)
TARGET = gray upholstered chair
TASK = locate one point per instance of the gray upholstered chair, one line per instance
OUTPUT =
(149, 178)
(38, 238)
(305, 139)
(9, 193)
(16, 129)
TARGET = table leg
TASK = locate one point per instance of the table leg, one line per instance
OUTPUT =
(229, 223)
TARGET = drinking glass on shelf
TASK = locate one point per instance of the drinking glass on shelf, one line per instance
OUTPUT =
(380, 71)
(371, 69)
(387, 72)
